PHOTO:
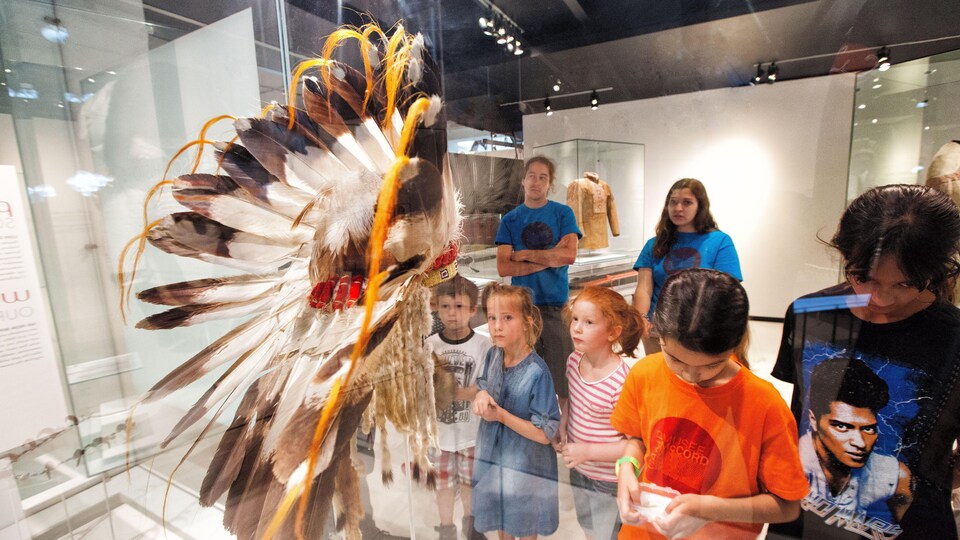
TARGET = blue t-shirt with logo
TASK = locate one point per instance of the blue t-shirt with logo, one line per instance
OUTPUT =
(692, 250)
(540, 228)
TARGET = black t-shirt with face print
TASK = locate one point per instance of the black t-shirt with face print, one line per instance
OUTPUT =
(899, 454)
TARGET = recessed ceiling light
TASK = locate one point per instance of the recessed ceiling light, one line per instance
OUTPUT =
(877, 86)
(7, 70)
(926, 128)
(90, 79)
(862, 106)
(53, 31)
(874, 121)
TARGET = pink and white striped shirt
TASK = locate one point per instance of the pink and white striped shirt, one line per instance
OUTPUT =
(590, 406)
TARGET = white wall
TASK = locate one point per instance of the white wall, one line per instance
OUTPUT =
(774, 159)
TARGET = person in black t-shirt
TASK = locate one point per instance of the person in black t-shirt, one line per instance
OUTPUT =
(838, 455)
(900, 246)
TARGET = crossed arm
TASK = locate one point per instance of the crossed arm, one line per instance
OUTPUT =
(528, 261)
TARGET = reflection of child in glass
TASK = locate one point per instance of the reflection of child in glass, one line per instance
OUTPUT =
(461, 353)
(515, 467)
(838, 454)
(700, 423)
(602, 324)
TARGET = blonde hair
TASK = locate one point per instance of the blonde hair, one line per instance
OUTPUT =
(532, 321)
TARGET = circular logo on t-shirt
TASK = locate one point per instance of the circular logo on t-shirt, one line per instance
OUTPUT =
(683, 456)
(537, 235)
(681, 259)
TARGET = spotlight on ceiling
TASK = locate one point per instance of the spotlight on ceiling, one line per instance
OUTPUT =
(483, 22)
(53, 31)
(758, 78)
(923, 104)
(594, 100)
(546, 106)
(518, 51)
(772, 72)
(556, 86)
(883, 59)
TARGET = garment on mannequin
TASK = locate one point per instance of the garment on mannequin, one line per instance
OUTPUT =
(594, 207)
(944, 171)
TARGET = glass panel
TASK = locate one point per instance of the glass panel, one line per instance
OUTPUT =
(902, 118)
(94, 124)
(607, 254)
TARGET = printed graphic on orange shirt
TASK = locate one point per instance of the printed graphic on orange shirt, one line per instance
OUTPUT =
(683, 456)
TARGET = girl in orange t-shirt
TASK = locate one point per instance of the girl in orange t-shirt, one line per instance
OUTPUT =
(699, 424)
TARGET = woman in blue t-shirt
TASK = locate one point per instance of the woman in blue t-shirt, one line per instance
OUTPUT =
(687, 237)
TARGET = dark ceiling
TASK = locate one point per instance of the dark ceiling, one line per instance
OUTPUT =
(638, 48)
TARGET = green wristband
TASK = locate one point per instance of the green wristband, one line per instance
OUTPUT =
(632, 461)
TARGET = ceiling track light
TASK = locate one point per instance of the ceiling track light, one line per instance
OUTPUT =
(883, 58)
(758, 78)
(773, 72)
(556, 86)
(594, 100)
(546, 106)
(498, 25)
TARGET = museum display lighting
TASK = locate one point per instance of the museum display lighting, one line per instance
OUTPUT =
(502, 28)
(772, 72)
(883, 59)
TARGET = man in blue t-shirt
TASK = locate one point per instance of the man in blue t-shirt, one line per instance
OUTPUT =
(535, 243)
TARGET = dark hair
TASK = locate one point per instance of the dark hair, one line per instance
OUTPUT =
(616, 311)
(705, 310)
(458, 285)
(848, 381)
(917, 225)
(551, 166)
(532, 320)
(666, 232)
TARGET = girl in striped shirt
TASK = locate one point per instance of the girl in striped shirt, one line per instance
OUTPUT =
(603, 326)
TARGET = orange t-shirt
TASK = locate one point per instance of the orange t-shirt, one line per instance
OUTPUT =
(735, 440)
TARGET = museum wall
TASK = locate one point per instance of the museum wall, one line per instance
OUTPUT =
(774, 159)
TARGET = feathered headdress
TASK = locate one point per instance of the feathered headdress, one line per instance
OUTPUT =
(337, 213)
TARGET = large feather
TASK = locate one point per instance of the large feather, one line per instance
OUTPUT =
(210, 290)
(294, 208)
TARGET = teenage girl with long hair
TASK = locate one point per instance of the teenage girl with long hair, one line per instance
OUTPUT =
(686, 237)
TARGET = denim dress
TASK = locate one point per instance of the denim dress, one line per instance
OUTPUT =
(514, 478)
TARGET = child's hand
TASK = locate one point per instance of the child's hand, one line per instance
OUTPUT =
(485, 407)
(684, 516)
(575, 454)
(561, 435)
(481, 402)
(628, 495)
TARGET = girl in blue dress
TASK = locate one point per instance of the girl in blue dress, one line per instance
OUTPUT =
(515, 467)
(687, 237)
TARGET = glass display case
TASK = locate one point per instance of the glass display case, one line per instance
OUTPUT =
(621, 166)
(902, 117)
